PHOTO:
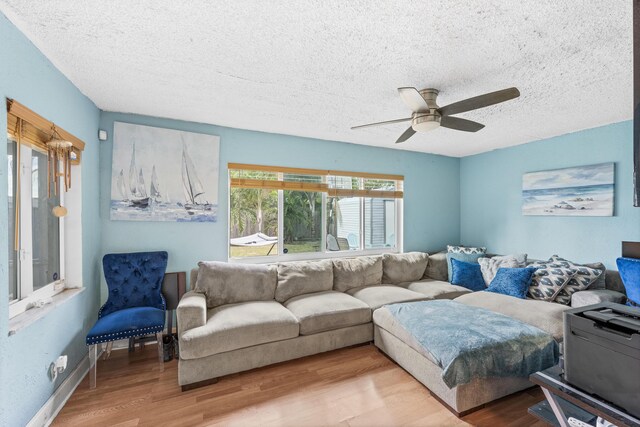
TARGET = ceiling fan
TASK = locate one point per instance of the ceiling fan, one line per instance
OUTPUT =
(427, 115)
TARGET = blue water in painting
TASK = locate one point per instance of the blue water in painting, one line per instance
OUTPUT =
(158, 211)
(588, 200)
(567, 192)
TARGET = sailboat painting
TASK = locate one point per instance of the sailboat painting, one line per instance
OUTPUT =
(164, 175)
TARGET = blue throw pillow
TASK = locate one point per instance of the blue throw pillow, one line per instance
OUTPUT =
(514, 282)
(630, 273)
(467, 274)
(461, 257)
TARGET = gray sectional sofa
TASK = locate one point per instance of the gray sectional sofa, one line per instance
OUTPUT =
(239, 317)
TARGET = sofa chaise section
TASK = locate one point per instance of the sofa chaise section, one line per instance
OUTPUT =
(541, 314)
(461, 399)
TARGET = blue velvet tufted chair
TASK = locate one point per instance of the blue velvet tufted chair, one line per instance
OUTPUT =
(135, 306)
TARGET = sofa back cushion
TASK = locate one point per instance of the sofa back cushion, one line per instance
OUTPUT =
(407, 267)
(225, 283)
(303, 277)
(437, 267)
(351, 273)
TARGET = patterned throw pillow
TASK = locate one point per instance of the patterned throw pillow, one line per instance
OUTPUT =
(489, 266)
(600, 282)
(465, 250)
(549, 280)
(581, 280)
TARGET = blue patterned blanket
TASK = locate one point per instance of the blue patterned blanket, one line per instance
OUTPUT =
(471, 342)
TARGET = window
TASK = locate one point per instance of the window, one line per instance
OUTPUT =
(36, 236)
(289, 213)
(36, 262)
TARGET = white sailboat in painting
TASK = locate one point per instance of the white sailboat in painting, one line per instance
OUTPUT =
(154, 191)
(193, 190)
(122, 189)
(138, 193)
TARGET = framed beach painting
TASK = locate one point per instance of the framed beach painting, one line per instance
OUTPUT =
(576, 191)
(162, 174)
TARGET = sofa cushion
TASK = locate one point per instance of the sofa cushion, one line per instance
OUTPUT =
(467, 275)
(601, 281)
(460, 257)
(377, 296)
(520, 258)
(435, 289)
(437, 267)
(584, 277)
(514, 282)
(407, 267)
(630, 274)
(596, 296)
(125, 323)
(326, 311)
(303, 277)
(225, 283)
(466, 249)
(233, 326)
(490, 266)
(541, 314)
(351, 273)
(548, 281)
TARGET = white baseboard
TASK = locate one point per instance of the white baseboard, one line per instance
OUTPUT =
(51, 408)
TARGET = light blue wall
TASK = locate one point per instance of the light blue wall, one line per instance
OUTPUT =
(431, 204)
(27, 76)
(491, 185)
(475, 200)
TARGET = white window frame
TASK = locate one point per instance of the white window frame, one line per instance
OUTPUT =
(27, 297)
(323, 253)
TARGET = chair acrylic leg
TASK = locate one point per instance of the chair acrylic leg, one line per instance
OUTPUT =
(160, 351)
(107, 352)
(93, 365)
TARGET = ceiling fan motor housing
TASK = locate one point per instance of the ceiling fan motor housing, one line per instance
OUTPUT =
(428, 119)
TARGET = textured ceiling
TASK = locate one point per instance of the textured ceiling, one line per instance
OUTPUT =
(316, 68)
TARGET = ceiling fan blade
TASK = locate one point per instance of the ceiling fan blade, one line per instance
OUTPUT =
(382, 123)
(406, 135)
(460, 124)
(480, 101)
(412, 98)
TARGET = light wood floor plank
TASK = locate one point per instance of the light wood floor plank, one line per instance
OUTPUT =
(351, 387)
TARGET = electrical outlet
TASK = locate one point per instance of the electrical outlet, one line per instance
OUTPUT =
(58, 367)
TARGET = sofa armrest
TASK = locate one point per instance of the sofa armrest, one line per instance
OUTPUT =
(191, 312)
(596, 296)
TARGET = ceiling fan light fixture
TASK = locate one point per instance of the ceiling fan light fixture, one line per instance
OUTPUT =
(427, 115)
(426, 123)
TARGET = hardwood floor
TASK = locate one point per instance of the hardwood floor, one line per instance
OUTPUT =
(356, 386)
